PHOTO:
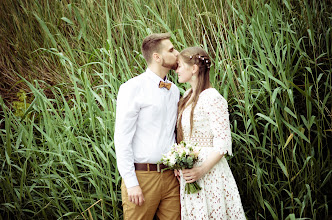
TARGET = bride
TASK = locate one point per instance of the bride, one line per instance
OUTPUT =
(203, 121)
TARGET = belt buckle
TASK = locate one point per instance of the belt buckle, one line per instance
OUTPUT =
(158, 167)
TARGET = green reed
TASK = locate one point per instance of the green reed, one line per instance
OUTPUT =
(271, 61)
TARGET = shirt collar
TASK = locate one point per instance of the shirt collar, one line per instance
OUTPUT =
(154, 77)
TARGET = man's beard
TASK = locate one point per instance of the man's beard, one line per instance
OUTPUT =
(171, 66)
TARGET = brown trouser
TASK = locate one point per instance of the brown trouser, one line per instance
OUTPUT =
(161, 192)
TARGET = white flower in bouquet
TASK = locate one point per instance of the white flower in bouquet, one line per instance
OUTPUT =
(172, 160)
(182, 156)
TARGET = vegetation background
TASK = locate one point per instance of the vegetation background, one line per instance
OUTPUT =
(62, 62)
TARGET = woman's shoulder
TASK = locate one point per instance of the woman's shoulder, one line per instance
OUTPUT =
(186, 92)
(210, 93)
(212, 96)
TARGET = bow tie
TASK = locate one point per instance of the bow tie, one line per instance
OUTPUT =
(165, 85)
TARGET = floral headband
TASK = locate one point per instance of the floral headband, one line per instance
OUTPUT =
(205, 60)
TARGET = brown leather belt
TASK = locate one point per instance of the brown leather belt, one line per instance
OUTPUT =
(149, 167)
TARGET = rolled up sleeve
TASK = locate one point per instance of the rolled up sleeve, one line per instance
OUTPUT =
(220, 125)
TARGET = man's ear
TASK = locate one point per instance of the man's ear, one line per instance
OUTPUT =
(156, 57)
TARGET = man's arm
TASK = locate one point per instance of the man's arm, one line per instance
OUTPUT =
(125, 126)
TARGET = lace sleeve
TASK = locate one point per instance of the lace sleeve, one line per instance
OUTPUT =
(219, 123)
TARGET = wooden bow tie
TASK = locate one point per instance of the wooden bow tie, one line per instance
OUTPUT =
(165, 85)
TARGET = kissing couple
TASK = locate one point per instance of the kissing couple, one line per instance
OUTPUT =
(151, 117)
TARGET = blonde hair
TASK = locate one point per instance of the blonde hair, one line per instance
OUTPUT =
(151, 44)
(192, 56)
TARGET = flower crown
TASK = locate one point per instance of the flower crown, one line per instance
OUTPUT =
(203, 59)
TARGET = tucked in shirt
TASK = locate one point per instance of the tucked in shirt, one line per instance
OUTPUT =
(145, 123)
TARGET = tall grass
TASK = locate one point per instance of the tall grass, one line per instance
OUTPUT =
(272, 61)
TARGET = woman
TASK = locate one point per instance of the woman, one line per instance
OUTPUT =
(203, 121)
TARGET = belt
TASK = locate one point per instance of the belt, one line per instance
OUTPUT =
(150, 167)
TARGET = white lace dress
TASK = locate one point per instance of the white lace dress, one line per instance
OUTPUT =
(219, 197)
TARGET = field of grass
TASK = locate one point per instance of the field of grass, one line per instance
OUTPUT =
(63, 61)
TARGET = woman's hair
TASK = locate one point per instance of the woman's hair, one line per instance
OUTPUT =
(191, 56)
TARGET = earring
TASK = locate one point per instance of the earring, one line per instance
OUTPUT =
(193, 78)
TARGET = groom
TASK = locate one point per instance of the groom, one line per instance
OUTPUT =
(144, 130)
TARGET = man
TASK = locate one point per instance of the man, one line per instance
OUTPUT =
(144, 130)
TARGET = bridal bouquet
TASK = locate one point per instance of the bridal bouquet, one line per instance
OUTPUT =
(182, 156)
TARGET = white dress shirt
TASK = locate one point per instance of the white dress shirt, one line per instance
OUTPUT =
(145, 123)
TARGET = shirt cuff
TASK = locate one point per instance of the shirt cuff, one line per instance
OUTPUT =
(131, 181)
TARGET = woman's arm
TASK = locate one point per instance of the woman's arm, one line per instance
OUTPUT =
(218, 116)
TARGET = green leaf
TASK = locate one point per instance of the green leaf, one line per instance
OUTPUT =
(283, 168)
(272, 212)
(267, 119)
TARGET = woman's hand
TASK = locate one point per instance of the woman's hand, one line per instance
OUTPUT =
(194, 174)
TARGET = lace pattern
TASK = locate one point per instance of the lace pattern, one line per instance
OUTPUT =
(219, 197)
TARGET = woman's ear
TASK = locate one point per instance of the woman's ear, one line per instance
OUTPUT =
(195, 69)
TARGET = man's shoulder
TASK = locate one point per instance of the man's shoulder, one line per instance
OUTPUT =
(175, 90)
(134, 82)
(174, 87)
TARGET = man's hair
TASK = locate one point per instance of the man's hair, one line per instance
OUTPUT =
(151, 44)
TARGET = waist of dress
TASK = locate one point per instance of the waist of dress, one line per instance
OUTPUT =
(200, 141)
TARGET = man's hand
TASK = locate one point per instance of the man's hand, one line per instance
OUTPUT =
(177, 174)
(135, 195)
